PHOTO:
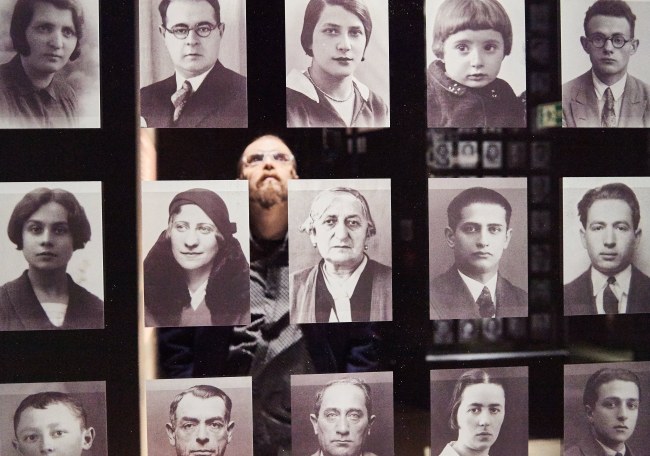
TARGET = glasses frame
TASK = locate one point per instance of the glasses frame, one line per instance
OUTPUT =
(271, 158)
(610, 38)
(194, 29)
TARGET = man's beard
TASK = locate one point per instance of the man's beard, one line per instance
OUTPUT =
(269, 193)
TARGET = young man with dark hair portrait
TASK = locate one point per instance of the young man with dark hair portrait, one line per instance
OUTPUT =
(202, 93)
(478, 232)
(610, 233)
(611, 402)
(607, 96)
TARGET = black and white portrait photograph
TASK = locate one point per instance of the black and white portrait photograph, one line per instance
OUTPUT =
(605, 410)
(606, 258)
(340, 254)
(479, 411)
(605, 63)
(492, 154)
(199, 416)
(476, 63)
(478, 248)
(49, 64)
(193, 64)
(57, 418)
(196, 253)
(337, 63)
(342, 414)
(52, 268)
(467, 155)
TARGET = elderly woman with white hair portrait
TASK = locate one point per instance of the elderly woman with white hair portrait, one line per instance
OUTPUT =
(346, 285)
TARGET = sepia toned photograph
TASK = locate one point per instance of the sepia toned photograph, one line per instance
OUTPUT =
(606, 258)
(195, 245)
(199, 416)
(337, 63)
(476, 63)
(603, 408)
(340, 252)
(478, 248)
(605, 66)
(49, 64)
(193, 64)
(479, 411)
(52, 269)
(349, 414)
(57, 418)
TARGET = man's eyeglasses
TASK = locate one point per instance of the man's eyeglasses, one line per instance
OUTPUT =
(181, 31)
(618, 41)
(257, 159)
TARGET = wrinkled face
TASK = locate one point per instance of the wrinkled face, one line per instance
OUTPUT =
(610, 238)
(480, 416)
(47, 240)
(479, 239)
(473, 57)
(53, 430)
(267, 178)
(194, 238)
(51, 37)
(614, 415)
(192, 55)
(338, 42)
(201, 427)
(608, 62)
(341, 232)
(342, 424)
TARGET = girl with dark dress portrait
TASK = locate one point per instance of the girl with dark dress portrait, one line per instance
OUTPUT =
(470, 40)
(335, 34)
(46, 35)
(346, 285)
(196, 273)
(48, 226)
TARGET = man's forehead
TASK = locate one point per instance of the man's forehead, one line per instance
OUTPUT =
(343, 396)
(623, 389)
(611, 208)
(266, 144)
(485, 212)
(192, 406)
(613, 24)
(184, 7)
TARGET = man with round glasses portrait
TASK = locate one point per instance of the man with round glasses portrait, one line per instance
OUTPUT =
(607, 96)
(202, 92)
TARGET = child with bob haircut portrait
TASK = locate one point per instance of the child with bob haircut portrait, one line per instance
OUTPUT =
(470, 40)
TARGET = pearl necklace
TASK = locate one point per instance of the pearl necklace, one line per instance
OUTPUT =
(336, 100)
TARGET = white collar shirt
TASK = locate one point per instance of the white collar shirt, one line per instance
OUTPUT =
(617, 90)
(341, 291)
(196, 81)
(621, 288)
(198, 296)
(476, 288)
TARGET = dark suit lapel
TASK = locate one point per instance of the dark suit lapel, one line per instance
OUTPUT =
(585, 105)
(164, 110)
(26, 305)
(638, 299)
(633, 105)
(204, 102)
(461, 298)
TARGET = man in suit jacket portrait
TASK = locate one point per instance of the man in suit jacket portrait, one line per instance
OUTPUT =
(610, 233)
(606, 95)
(611, 401)
(478, 232)
(202, 93)
(343, 418)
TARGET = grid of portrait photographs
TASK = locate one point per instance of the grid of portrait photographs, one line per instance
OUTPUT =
(199, 416)
(340, 254)
(56, 84)
(342, 413)
(53, 418)
(195, 246)
(52, 269)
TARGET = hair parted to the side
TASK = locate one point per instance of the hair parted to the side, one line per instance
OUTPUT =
(353, 381)
(479, 195)
(203, 392)
(616, 8)
(42, 400)
(31, 202)
(315, 9)
(613, 191)
(470, 377)
(606, 375)
(164, 4)
(454, 16)
(22, 17)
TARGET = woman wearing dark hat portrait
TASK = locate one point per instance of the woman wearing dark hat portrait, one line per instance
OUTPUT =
(196, 273)
(48, 226)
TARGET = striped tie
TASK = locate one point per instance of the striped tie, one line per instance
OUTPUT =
(179, 98)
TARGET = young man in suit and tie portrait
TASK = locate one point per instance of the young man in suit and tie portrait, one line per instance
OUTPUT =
(610, 232)
(606, 95)
(478, 232)
(202, 92)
